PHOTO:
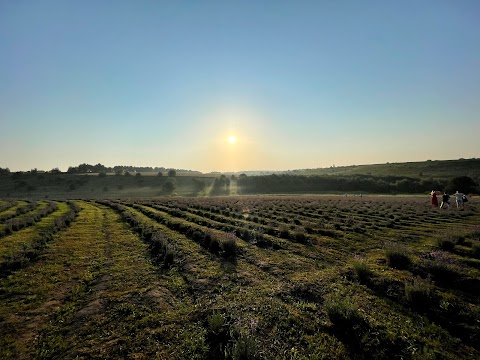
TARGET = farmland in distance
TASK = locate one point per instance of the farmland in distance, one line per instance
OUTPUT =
(251, 277)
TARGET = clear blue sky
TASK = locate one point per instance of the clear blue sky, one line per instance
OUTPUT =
(300, 84)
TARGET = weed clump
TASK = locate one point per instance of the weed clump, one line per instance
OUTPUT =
(398, 256)
(300, 237)
(169, 257)
(476, 251)
(362, 270)
(441, 265)
(216, 323)
(445, 244)
(229, 245)
(214, 245)
(244, 348)
(418, 292)
(343, 314)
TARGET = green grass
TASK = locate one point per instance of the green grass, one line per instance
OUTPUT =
(437, 169)
(98, 289)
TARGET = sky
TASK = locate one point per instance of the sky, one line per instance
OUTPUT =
(299, 84)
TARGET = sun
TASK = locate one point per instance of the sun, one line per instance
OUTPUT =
(232, 139)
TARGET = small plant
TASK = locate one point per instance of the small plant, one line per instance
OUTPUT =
(343, 313)
(398, 256)
(300, 237)
(244, 348)
(475, 234)
(229, 245)
(362, 270)
(445, 243)
(440, 264)
(476, 251)
(418, 292)
(169, 257)
(216, 323)
(214, 245)
(284, 233)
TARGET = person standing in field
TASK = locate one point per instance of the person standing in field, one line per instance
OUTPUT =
(445, 201)
(459, 200)
(434, 198)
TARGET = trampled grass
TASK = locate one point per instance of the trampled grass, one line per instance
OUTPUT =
(308, 277)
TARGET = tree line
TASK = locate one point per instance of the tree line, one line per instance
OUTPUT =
(286, 183)
(118, 169)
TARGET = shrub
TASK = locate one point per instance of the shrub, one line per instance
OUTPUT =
(476, 251)
(158, 244)
(300, 237)
(343, 314)
(418, 292)
(475, 234)
(169, 186)
(198, 236)
(229, 245)
(214, 245)
(445, 244)
(440, 264)
(169, 257)
(362, 271)
(216, 323)
(397, 255)
(284, 233)
(244, 348)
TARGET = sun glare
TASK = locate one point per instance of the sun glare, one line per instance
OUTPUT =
(232, 139)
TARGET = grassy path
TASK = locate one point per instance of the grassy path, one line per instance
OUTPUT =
(30, 295)
(128, 308)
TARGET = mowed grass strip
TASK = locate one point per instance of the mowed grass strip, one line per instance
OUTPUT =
(246, 294)
(131, 308)
(26, 219)
(260, 302)
(208, 268)
(11, 211)
(31, 295)
(307, 289)
(15, 243)
(295, 257)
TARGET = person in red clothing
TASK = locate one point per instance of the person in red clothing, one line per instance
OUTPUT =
(434, 198)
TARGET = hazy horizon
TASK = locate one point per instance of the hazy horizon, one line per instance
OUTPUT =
(306, 84)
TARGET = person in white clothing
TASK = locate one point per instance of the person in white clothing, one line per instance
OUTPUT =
(459, 199)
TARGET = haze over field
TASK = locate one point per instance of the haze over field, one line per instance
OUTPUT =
(231, 86)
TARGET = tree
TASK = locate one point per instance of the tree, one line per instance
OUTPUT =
(55, 171)
(127, 174)
(98, 168)
(199, 185)
(221, 186)
(160, 174)
(172, 173)
(169, 186)
(463, 184)
(4, 171)
(102, 174)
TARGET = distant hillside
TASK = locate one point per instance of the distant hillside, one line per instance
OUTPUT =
(436, 169)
